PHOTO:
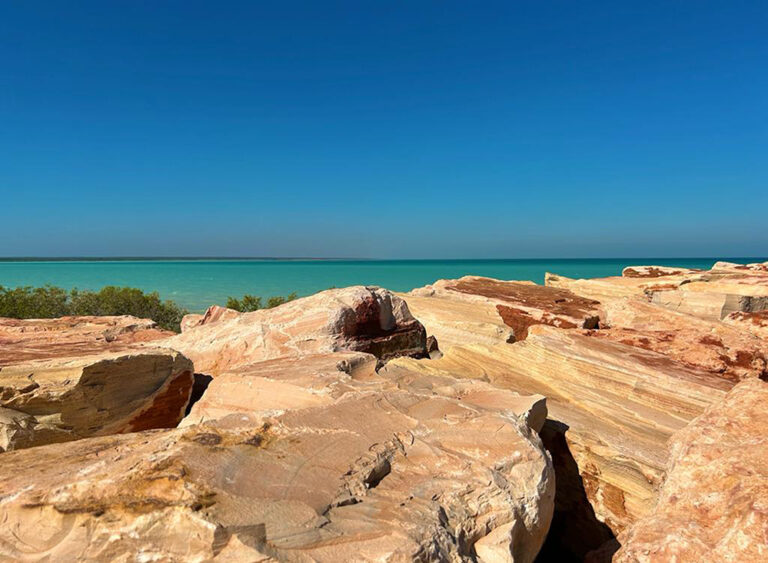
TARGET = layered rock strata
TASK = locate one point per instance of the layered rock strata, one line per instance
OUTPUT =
(62, 399)
(619, 405)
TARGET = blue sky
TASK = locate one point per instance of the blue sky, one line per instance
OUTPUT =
(384, 129)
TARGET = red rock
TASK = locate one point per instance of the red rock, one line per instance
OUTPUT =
(443, 307)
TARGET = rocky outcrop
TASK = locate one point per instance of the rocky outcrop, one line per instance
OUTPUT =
(712, 506)
(718, 348)
(213, 314)
(331, 462)
(633, 286)
(62, 399)
(617, 405)
(657, 272)
(711, 294)
(473, 309)
(39, 339)
(283, 384)
(365, 319)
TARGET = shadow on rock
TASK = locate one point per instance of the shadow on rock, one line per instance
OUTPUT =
(575, 530)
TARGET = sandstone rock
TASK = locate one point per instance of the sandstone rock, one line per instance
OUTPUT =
(213, 314)
(366, 319)
(473, 309)
(275, 386)
(383, 471)
(710, 294)
(715, 297)
(38, 339)
(713, 505)
(656, 271)
(730, 267)
(711, 346)
(617, 287)
(62, 399)
(620, 405)
(756, 323)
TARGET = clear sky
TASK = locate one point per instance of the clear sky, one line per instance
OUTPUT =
(384, 129)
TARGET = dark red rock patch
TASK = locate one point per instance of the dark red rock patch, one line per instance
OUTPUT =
(557, 307)
(652, 273)
(168, 407)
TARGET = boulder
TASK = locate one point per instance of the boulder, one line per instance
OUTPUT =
(365, 319)
(62, 399)
(616, 405)
(39, 339)
(713, 505)
(283, 384)
(376, 468)
(716, 296)
(722, 349)
(472, 309)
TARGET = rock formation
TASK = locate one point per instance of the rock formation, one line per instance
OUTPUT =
(756, 323)
(625, 411)
(713, 346)
(712, 506)
(365, 319)
(62, 399)
(213, 314)
(39, 339)
(371, 470)
(473, 309)
(712, 294)
(618, 403)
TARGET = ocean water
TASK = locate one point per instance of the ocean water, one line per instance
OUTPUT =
(196, 284)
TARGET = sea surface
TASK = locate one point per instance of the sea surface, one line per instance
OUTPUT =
(196, 284)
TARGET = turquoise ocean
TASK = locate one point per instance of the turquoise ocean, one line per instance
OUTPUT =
(196, 284)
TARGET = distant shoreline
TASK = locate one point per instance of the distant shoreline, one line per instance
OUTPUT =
(645, 259)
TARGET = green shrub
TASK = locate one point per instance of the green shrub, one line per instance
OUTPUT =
(245, 305)
(250, 303)
(49, 302)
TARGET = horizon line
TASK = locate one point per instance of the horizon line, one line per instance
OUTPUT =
(343, 258)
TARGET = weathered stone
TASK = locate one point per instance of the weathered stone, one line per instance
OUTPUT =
(619, 403)
(656, 271)
(282, 384)
(711, 346)
(39, 339)
(756, 323)
(213, 314)
(710, 294)
(366, 319)
(390, 469)
(713, 505)
(57, 400)
(618, 287)
(467, 307)
(715, 297)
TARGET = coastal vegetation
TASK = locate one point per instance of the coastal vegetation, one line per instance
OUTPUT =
(248, 303)
(50, 301)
